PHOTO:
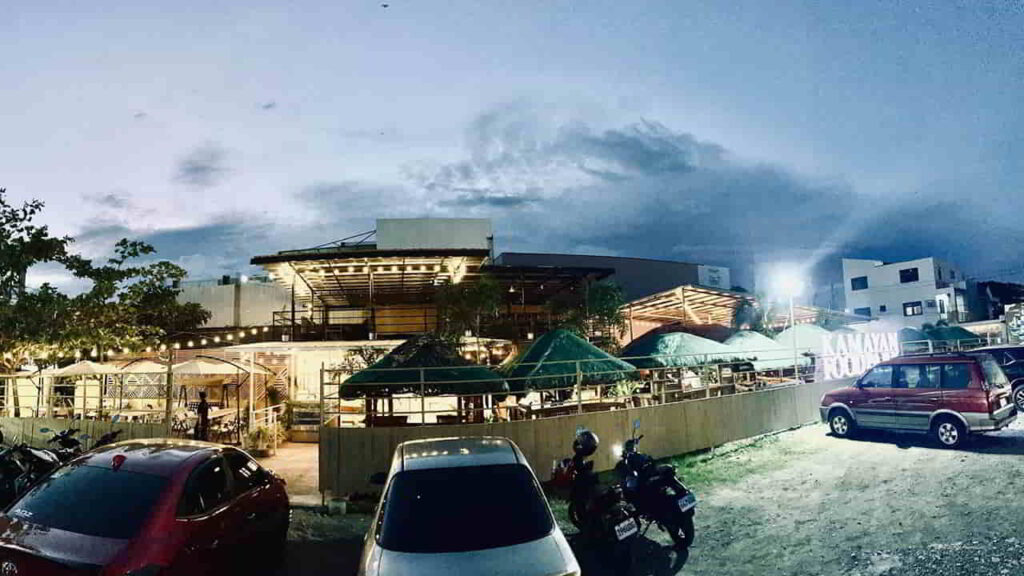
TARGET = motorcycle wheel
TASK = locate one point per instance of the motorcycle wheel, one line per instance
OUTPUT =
(682, 532)
(622, 556)
(574, 516)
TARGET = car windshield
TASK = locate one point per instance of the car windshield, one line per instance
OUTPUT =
(462, 509)
(994, 376)
(92, 501)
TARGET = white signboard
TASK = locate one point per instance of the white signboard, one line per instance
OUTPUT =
(713, 276)
(846, 355)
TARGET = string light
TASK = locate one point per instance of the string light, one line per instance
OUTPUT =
(229, 337)
(177, 346)
(78, 354)
(149, 348)
(125, 351)
(93, 353)
(110, 352)
(241, 334)
(254, 331)
(190, 344)
(203, 342)
(266, 328)
(163, 347)
(216, 338)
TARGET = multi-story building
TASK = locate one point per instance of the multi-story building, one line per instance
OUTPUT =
(910, 293)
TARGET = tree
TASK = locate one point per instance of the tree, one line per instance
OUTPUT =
(753, 315)
(593, 312)
(466, 306)
(129, 303)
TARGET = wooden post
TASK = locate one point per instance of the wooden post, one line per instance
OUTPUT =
(169, 392)
(579, 388)
(423, 398)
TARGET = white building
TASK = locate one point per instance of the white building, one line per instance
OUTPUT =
(908, 294)
(237, 301)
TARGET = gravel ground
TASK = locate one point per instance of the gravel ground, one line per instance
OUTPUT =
(803, 503)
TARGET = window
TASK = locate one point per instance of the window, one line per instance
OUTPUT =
(909, 275)
(93, 501)
(956, 376)
(862, 311)
(883, 308)
(246, 473)
(913, 308)
(918, 376)
(206, 489)
(952, 274)
(442, 510)
(994, 376)
(878, 377)
(929, 303)
(859, 283)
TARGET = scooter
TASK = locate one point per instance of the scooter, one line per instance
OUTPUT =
(602, 515)
(69, 446)
(108, 438)
(657, 492)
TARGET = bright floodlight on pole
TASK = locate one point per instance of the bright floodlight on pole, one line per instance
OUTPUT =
(789, 284)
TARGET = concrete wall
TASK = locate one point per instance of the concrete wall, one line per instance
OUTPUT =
(406, 233)
(348, 456)
(248, 304)
(28, 430)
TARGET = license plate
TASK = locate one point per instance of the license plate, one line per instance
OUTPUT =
(625, 529)
(687, 502)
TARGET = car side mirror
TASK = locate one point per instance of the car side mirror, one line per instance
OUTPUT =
(378, 479)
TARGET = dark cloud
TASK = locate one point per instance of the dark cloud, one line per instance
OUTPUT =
(270, 105)
(140, 115)
(203, 167)
(647, 190)
(112, 200)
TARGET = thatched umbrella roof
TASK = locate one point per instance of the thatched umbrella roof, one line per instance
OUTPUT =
(443, 371)
(767, 354)
(809, 338)
(674, 349)
(552, 361)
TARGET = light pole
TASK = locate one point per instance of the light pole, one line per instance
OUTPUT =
(791, 286)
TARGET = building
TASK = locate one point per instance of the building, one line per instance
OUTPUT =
(910, 293)
(995, 297)
(236, 301)
(638, 277)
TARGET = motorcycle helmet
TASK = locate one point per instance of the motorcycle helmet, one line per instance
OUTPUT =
(585, 444)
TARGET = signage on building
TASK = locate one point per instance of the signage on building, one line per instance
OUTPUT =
(1015, 323)
(845, 355)
(713, 276)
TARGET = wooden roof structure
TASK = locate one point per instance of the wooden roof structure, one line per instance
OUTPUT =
(353, 276)
(698, 305)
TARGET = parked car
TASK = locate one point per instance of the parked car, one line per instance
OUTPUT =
(1011, 360)
(464, 506)
(947, 395)
(147, 508)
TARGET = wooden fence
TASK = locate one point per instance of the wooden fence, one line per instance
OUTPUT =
(28, 430)
(348, 456)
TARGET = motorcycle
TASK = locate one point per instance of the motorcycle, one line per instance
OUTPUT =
(108, 438)
(69, 446)
(21, 466)
(656, 492)
(602, 515)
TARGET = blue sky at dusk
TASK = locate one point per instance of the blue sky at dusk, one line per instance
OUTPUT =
(736, 133)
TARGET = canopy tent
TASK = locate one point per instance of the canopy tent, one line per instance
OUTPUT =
(87, 368)
(912, 335)
(674, 349)
(144, 367)
(553, 359)
(809, 338)
(423, 365)
(766, 354)
(204, 366)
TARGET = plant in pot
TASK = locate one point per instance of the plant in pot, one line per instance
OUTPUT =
(259, 441)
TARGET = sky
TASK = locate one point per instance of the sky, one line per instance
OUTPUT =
(746, 134)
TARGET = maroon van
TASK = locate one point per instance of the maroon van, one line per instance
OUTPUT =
(947, 395)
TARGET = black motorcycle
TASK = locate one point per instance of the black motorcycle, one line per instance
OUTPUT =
(21, 466)
(602, 514)
(69, 446)
(108, 438)
(656, 492)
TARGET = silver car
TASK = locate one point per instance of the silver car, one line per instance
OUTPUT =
(464, 506)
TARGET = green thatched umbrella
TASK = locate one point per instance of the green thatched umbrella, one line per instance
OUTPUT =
(675, 349)
(553, 359)
(767, 354)
(442, 369)
(950, 334)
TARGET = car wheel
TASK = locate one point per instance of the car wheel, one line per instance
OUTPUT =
(949, 432)
(841, 424)
(1018, 398)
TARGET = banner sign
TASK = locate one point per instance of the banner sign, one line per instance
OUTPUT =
(845, 355)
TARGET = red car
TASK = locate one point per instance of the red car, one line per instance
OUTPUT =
(948, 395)
(148, 508)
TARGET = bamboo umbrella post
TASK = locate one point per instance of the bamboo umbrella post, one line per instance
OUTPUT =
(579, 388)
(423, 397)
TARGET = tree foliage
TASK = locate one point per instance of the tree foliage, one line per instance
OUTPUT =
(466, 306)
(130, 302)
(754, 315)
(594, 312)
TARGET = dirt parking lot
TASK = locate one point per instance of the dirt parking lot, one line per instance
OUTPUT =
(805, 503)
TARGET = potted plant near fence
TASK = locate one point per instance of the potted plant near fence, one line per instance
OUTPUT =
(259, 442)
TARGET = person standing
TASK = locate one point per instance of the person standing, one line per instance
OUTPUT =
(203, 423)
